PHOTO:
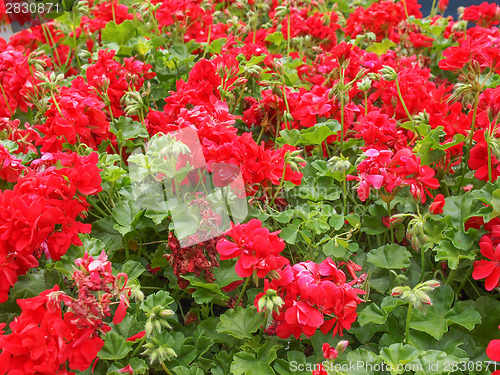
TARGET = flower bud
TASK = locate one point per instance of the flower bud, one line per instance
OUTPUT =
(166, 313)
(365, 84)
(342, 345)
(388, 73)
(397, 291)
(329, 352)
(271, 301)
(148, 328)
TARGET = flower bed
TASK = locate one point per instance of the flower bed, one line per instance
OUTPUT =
(250, 187)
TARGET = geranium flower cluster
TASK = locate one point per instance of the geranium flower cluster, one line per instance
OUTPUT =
(488, 269)
(76, 114)
(49, 339)
(384, 169)
(257, 249)
(15, 80)
(381, 18)
(260, 166)
(315, 296)
(40, 214)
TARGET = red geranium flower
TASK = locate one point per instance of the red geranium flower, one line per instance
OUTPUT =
(329, 352)
(486, 269)
(436, 207)
(256, 248)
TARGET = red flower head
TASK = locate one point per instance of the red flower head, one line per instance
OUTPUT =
(489, 269)
(436, 207)
(493, 350)
(329, 352)
(256, 248)
(320, 371)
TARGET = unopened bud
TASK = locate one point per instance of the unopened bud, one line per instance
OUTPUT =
(342, 345)
(166, 313)
(388, 73)
(365, 84)
(397, 291)
(148, 328)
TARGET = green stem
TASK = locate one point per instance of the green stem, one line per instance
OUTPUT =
(490, 173)
(48, 36)
(56, 104)
(451, 277)
(280, 185)
(341, 122)
(423, 265)
(113, 10)
(366, 103)
(432, 7)
(327, 150)
(289, 36)
(344, 192)
(403, 102)
(473, 128)
(464, 281)
(165, 368)
(208, 41)
(408, 319)
(74, 40)
(241, 94)
(125, 246)
(406, 9)
(260, 134)
(6, 100)
(138, 347)
(242, 292)
(390, 229)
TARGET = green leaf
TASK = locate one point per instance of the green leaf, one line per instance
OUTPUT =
(204, 292)
(461, 240)
(371, 314)
(436, 318)
(34, 283)
(286, 367)
(241, 323)
(289, 137)
(289, 234)
(118, 34)
(319, 132)
(139, 367)
(446, 251)
(125, 128)
(336, 221)
(160, 298)
(458, 209)
(251, 364)
(382, 47)
(372, 223)
(225, 274)
(391, 256)
(126, 215)
(398, 354)
(133, 269)
(221, 363)
(275, 38)
(183, 370)
(115, 347)
(216, 45)
(319, 189)
(335, 250)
